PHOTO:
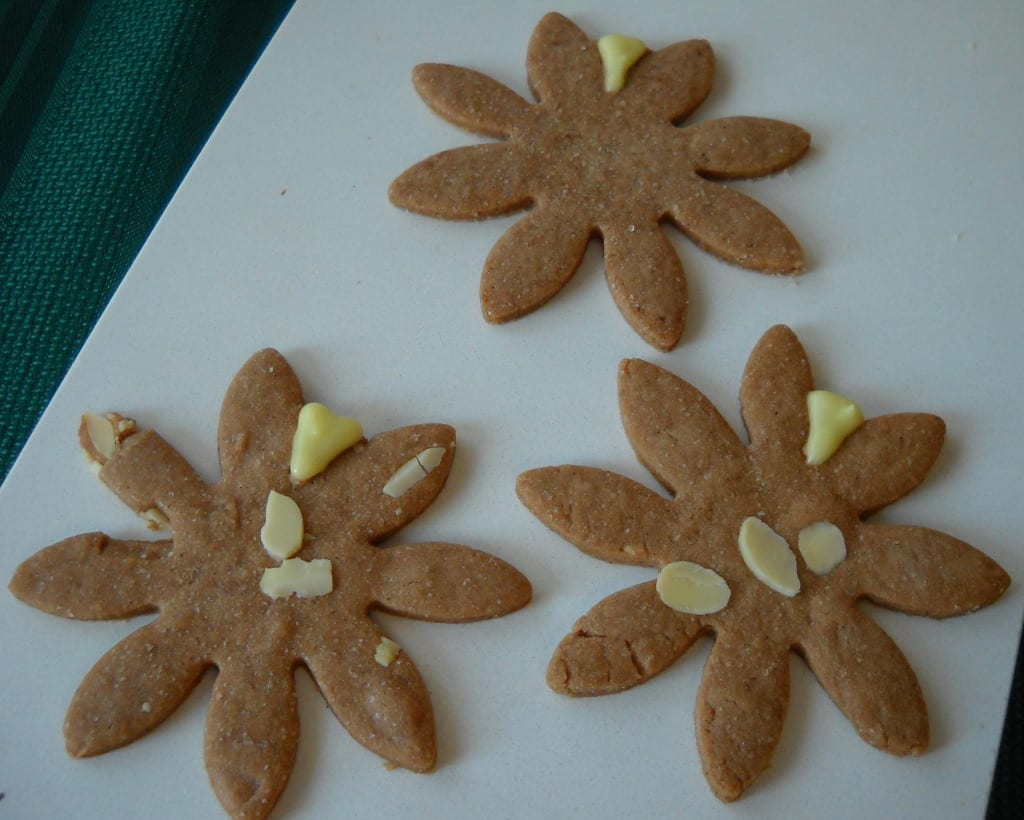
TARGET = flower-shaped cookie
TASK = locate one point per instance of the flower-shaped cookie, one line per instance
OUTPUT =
(205, 583)
(608, 163)
(741, 513)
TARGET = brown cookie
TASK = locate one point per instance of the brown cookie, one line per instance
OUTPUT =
(212, 583)
(612, 164)
(735, 547)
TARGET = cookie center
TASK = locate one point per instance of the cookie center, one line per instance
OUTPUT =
(606, 162)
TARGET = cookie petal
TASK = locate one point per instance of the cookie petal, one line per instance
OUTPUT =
(562, 64)
(671, 82)
(677, 433)
(745, 147)
(147, 473)
(94, 577)
(736, 228)
(469, 99)
(448, 583)
(530, 263)
(471, 182)
(867, 677)
(647, 281)
(257, 425)
(606, 515)
(924, 572)
(773, 394)
(885, 459)
(133, 688)
(625, 640)
(251, 736)
(741, 706)
(385, 708)
(350, 494)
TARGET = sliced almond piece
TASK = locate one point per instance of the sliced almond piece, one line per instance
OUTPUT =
(306, 579)
(769, 557)
(691, 588)
(414, 470)
(822, 545)
(386, 652)
(100, 436)
(282, 533)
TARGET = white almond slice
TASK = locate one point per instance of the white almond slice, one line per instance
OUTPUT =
(691, 588)
(430, 459)
(155, 519)
(101, 436)
(404, 478)
(282, 533)
(100, 432)
(306, 579)
(320, 436)
(822, 545)
(831, 419)
(387, 651)
(769, 557)
(413, 471)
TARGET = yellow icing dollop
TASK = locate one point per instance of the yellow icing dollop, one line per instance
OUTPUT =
(320, 436)
(619, 54)
(832, 419)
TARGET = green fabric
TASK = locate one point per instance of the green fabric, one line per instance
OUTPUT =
(103, 106)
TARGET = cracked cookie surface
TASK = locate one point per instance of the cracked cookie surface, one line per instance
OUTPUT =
(204, 583)
(718, 483)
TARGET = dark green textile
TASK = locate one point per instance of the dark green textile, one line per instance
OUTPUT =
(103, 106)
